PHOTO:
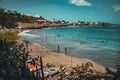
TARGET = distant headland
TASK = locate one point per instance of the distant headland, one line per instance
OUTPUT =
(14, 20)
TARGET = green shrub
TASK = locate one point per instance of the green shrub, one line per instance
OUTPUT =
(86, 72)
(9, 36)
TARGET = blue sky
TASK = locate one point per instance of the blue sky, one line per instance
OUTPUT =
(70, 10)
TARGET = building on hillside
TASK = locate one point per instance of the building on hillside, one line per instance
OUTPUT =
(41, 21)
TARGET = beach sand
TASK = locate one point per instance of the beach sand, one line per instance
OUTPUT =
(57, 59)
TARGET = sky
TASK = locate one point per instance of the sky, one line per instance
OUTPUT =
(69, 10)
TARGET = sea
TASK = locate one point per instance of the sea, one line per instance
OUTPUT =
(100, 44)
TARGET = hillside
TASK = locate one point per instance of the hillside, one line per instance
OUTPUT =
(12, 19)
(9, 19)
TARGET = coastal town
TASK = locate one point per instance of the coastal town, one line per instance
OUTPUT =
(24, 21)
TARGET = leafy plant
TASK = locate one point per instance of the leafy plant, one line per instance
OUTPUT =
(9, 36)
(86, 72)
(13, 61)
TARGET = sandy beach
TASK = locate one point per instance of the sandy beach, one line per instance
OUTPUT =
(57, 59)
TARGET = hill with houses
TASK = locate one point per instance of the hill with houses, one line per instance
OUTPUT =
(13, 19)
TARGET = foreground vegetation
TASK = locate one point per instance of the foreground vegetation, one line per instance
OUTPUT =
(9, 36)
(13, 59)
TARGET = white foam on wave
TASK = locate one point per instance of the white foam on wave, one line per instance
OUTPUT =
(26, 34)
(26, 31)
(73, 26)
(47, 28)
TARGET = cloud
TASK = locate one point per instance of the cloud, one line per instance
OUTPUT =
(80, 2)
(116, 7)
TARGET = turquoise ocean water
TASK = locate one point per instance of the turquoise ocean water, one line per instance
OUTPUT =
(100, 44)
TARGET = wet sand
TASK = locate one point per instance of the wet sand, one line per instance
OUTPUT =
(57, 59)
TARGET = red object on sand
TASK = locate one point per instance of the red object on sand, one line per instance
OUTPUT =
(33, 67)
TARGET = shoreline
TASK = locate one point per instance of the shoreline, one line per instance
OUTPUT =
(40, 50)
(57, 59)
